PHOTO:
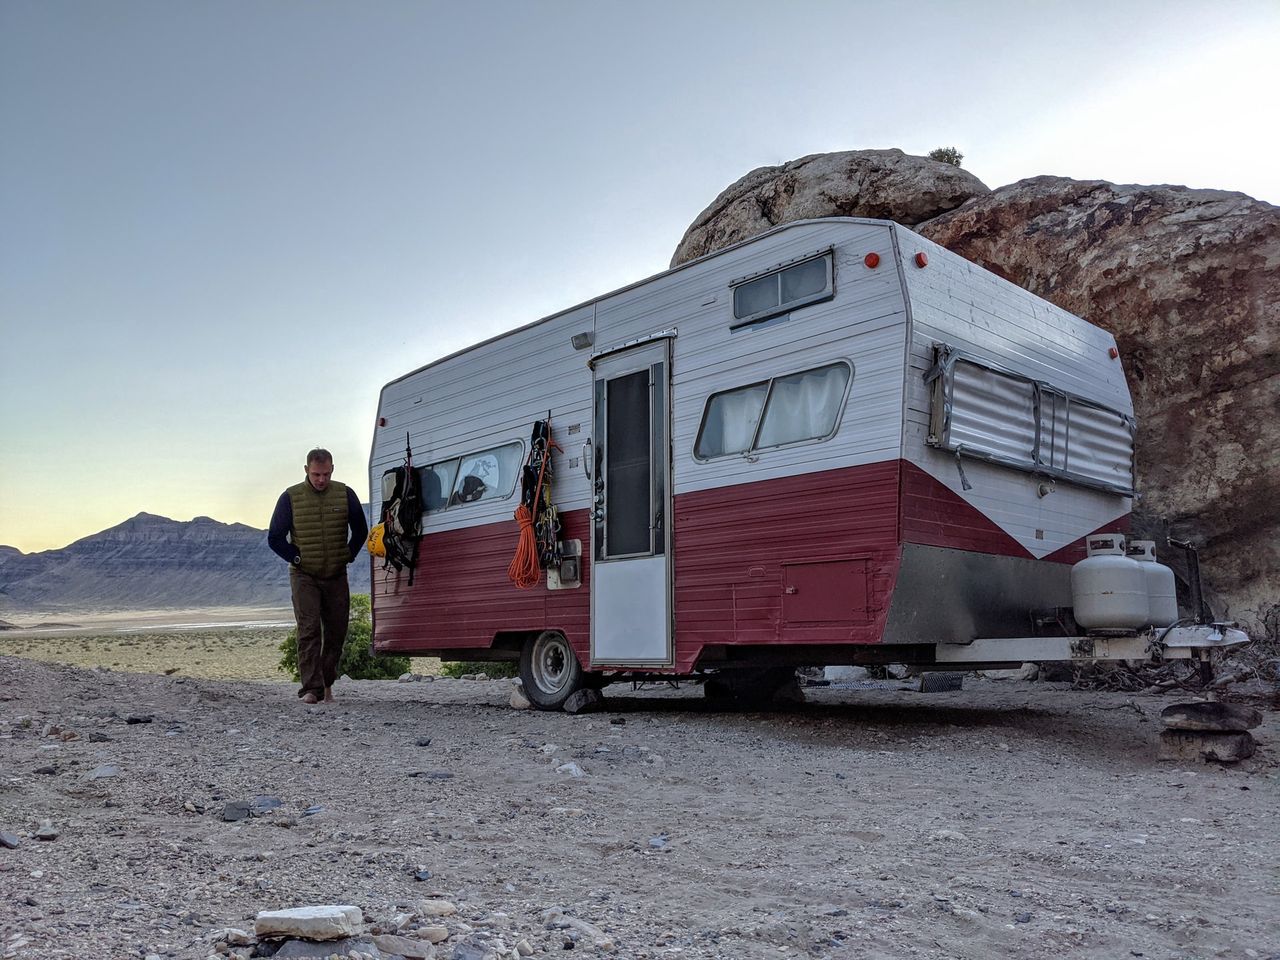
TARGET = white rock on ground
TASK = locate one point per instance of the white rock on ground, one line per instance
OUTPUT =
(322, 922)
(437, 908)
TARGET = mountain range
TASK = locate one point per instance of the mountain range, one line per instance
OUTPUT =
(153, 563)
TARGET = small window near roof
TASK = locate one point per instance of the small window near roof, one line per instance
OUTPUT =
(782, 290)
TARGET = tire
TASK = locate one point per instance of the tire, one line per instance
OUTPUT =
(549, 670)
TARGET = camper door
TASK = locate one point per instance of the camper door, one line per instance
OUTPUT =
(631, 530)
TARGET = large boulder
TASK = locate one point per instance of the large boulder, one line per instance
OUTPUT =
(1186, 280)
(884, 184)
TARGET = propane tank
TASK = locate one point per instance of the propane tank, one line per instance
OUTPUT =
(1162, 594)
(1108, 589)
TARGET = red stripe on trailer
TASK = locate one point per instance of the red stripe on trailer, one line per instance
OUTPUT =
(773, 561)
(461, 597)
(934, 515)
(1075, 552)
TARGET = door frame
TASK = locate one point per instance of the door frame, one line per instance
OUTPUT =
(629, 358)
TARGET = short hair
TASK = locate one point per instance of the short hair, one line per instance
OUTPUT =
(319, 455)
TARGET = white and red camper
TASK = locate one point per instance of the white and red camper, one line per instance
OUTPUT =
(834, 443)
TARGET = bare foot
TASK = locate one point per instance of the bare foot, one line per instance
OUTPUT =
(328, 695)
(310, 698)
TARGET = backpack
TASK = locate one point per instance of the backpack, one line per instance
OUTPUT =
(402, 519)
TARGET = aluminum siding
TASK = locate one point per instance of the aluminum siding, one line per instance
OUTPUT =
(954, 301)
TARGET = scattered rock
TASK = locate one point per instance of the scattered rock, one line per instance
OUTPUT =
(139, 718)
(104, 772)
(434, 933)
(1025, 673)
(437, 908)
(1196, 745)
(572, 769)
(406, 678)
(47, 831)
(1211, 716)
(344, 948)
(845, 673)
(233, 937)
(8, 841)
(404, 946)
(321, 922)
(584, 701)
(48, 770)
(235, 810)
(422, 742)
(98, 737)
(518, 700)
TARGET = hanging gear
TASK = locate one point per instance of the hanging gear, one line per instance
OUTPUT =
(402, 516)
(540, 526)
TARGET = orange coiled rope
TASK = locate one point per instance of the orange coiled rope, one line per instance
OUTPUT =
(524, 571)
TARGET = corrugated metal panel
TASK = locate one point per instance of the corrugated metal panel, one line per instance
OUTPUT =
(993, 413)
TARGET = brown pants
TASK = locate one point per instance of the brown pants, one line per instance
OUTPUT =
(322, 609)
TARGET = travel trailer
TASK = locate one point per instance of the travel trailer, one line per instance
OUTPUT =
(835, 443)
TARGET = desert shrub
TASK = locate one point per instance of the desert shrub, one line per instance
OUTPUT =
(493, 668)
(947, 155)
(358, 661)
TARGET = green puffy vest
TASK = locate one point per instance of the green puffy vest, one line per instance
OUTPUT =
(320, 528)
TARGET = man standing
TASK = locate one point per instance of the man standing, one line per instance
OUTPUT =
(309, 530)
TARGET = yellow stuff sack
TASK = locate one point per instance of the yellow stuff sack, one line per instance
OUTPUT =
(375, 544)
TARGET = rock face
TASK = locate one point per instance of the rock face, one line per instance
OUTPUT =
(884, 184)
(150, 562)
(1188, 281)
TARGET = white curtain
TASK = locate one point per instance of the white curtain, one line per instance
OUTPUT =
(731, 421)
(804, 406)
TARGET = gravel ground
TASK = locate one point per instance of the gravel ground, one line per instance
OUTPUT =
(1005, 819)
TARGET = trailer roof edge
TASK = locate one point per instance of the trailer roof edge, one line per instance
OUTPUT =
(630, 286)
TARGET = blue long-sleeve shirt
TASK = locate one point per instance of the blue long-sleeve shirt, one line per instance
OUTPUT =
(282, 524)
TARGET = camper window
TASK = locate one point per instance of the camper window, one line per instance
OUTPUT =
(1022, 423)
(437, 480)
(785, 410)
(795, 285)
(487, 475)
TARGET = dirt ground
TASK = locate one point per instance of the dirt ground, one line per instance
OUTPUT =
(1002, 820)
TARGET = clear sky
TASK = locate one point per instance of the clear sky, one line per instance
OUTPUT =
(225, 224)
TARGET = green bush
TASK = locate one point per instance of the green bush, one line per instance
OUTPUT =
(493, 668)
(947, 155)
(357, 662)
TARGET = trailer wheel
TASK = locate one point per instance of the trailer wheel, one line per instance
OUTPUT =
(549, 670)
